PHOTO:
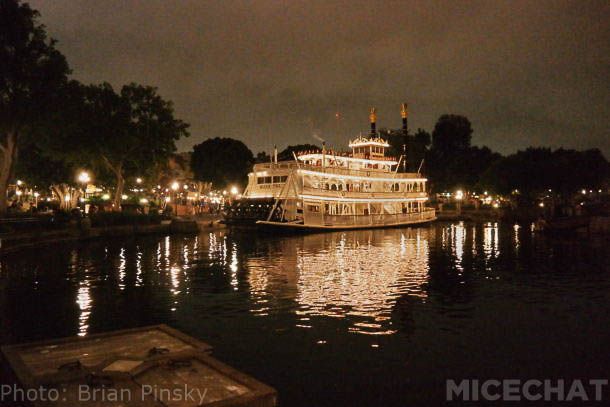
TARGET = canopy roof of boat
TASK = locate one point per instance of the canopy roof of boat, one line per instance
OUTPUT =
(373, 141)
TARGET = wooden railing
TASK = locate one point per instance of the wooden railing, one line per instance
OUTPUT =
(361, 194)
(378, 219)
(334, 170)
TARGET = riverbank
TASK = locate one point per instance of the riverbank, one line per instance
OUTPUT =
(10, 242)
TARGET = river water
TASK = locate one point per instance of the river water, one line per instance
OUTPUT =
(375, 317)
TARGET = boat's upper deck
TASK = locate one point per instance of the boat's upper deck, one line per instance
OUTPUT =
(284, 167)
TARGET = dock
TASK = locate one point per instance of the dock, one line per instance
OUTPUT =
(149, 366)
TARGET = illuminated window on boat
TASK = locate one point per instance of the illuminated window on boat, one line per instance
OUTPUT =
(313, 208)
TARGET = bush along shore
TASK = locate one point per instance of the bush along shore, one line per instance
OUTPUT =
(25, 231)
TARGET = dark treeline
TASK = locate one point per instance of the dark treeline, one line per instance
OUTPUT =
(52, 126)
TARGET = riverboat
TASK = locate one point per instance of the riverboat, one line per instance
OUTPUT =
(329, 190)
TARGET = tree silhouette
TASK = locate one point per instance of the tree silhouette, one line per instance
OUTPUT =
(32, 74)
(222, 161)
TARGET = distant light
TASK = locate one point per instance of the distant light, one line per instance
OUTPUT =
(175, 186)
(139, 180)
(541, 204)
(496, 205)
(584, 191)
(459, 194)
(36, 194)
(234, 190)
(19, 193)
(124, 197)
(485, 192)
(67, 198)
(224, 192)
(19, 182)
(167, 199)
(105, 197)
(84, 177)
(143, 200)
(186, 186)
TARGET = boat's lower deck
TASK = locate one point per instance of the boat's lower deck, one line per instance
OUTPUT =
(329, 227)
(319, 216)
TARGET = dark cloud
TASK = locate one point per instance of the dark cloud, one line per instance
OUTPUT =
(268, 71)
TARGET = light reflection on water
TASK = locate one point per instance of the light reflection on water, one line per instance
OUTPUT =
(445, 300)
(356, 277)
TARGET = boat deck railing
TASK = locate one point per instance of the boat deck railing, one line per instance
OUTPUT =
(334, 170)
(327, 193)
(378, 219)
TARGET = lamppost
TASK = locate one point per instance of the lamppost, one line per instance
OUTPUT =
(84, 179)
(459, 195)
(175, 187)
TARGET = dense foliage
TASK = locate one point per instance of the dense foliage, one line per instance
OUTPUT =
(537, 170)
(222, 161)
(32, 75)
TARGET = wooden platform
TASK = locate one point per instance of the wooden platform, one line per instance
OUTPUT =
(150, 366)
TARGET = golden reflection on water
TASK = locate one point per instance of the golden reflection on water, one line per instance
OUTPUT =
(356, 276)
(83, 299)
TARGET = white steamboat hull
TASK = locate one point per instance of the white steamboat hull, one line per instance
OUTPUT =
(355, 222)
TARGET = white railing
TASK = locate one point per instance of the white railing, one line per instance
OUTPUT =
(333, 170)
(361, 194)
(378, 219)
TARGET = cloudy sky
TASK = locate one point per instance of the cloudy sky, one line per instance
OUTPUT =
(269, 71)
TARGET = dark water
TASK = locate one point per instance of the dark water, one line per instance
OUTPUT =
(367, 318)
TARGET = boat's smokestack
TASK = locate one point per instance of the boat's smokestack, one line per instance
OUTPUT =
(404, 119)
(275, 153)
(373, 117)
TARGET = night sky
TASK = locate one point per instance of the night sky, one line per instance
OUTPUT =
(268, 71)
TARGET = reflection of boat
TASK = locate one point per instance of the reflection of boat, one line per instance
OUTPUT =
(338, 275)
(330, 190)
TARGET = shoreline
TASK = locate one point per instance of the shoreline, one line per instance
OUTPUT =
(12, 242)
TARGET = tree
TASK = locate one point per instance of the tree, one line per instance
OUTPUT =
(413, 146)
(222, 161)
(48, 171)
(536, 170)
(128, 134)
(32, 72)
(449, 157)
(262, 157)
(451, 133)
(286, 154)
